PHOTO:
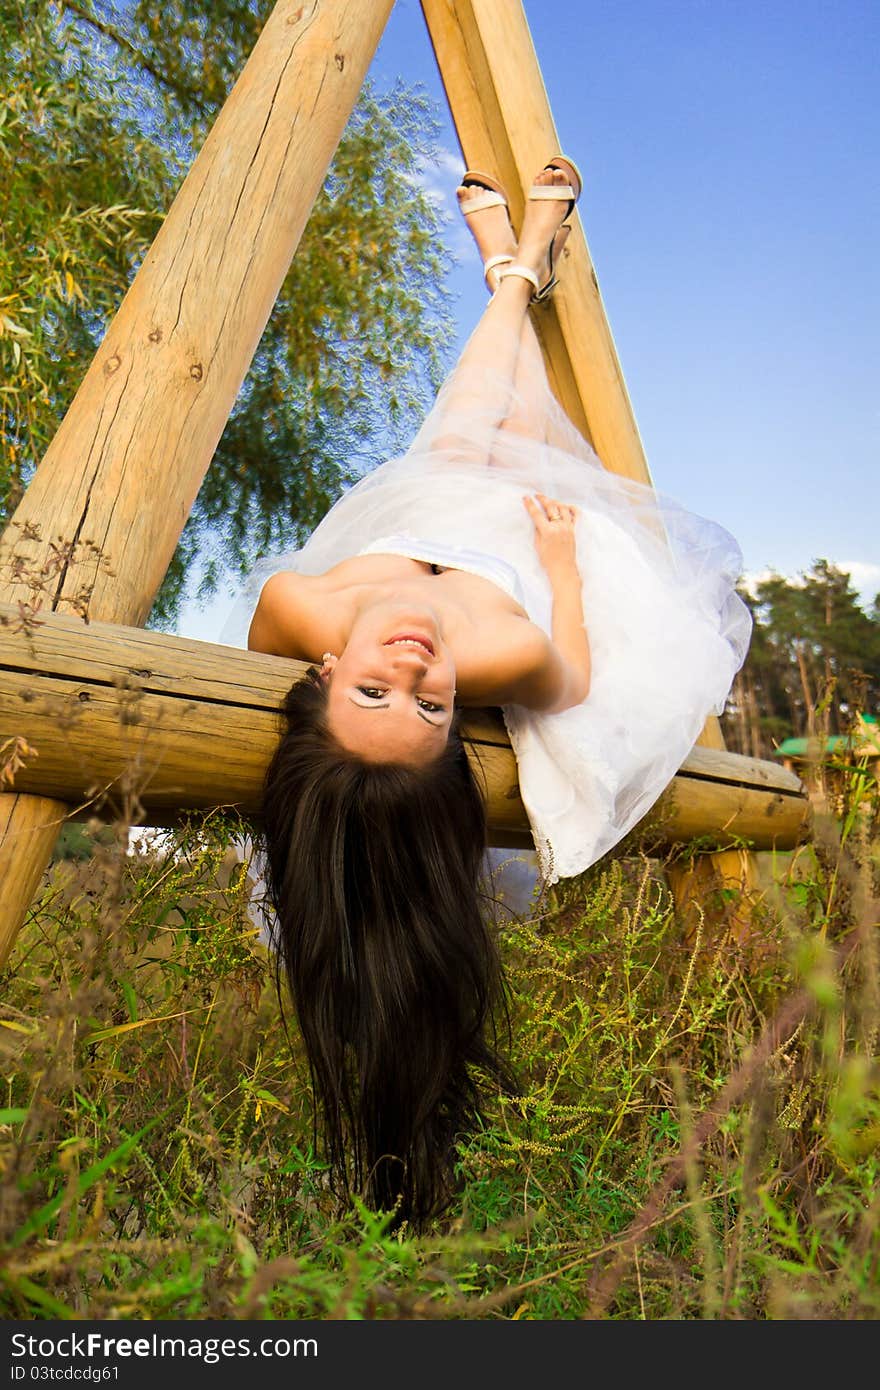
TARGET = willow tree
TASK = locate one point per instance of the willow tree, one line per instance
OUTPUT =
(102, 107)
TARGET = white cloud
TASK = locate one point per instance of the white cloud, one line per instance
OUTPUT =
(865, 577)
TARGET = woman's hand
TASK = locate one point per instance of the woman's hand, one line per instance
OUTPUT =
(555, 544)
(554, 533)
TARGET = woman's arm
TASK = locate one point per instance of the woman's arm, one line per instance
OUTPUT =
(555, 542)
(530, 669)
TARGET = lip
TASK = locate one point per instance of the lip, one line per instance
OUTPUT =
(412, 637)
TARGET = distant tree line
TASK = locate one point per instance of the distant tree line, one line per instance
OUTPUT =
(813, 663)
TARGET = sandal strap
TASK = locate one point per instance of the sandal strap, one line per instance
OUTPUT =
(523, 272)
(492, 263)
(483, 200)
(552, 192)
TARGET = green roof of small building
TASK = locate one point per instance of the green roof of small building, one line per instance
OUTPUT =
(799, 747)
(834, 743)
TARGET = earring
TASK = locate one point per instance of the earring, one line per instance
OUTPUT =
(328, 656)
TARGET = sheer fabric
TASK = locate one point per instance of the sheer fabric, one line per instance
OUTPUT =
(667, 629)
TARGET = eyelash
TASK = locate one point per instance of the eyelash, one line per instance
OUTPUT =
(372, 692)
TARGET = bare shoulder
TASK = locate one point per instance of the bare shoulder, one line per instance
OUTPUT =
(517, 663)
(285, 619)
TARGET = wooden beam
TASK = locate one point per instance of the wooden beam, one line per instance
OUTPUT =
(29, 827)
(178, 724)
(99, 523)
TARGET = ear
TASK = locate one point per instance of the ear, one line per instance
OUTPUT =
(328, 666)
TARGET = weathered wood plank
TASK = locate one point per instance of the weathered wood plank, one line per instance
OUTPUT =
(189, 725)
(113, 655)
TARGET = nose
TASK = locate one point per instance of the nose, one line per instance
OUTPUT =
(409, 661)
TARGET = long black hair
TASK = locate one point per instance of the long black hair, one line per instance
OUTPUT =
(374, 871)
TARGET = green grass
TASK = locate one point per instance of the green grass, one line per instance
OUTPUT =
(662, 1162)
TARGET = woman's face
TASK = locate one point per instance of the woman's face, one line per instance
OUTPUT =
(391, 691)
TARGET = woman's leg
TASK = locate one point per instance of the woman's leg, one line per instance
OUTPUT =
(523, 416)
(483, 385)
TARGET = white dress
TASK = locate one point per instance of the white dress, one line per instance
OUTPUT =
(667, 629)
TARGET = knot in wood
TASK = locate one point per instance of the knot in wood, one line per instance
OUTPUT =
(196, 371)
(339, 60)
(155, 335)
(112, 364)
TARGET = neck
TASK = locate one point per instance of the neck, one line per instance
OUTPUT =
(345, 610)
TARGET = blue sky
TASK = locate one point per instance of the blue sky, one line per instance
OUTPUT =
(730, 155)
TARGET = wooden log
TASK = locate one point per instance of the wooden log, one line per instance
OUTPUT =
(121, 718)
(718, 889)
(29, 826)
(98, 525)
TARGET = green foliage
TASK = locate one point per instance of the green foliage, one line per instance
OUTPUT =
(813, 662)
(156, 1127)
(80, 197)
(102, 109)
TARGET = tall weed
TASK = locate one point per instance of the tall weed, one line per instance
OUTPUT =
(697, 1134)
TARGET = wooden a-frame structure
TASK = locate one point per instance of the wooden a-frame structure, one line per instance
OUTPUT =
(106, 506)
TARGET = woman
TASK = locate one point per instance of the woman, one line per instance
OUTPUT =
(496, 563)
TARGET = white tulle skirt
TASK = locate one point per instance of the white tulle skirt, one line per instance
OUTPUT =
(667, 629)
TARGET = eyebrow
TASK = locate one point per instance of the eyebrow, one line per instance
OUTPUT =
(435, 724)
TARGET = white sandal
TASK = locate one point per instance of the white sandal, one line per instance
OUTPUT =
(551, 192)
(556, 192)
(524, 272)
(492, 196)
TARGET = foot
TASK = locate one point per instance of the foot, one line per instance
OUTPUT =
(543, 235)
(491, 230)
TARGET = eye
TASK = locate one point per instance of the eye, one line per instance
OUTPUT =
(431, 708)
(371, 692)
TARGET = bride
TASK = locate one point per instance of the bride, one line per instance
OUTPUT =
(495, 563)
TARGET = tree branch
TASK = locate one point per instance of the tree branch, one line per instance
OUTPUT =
(109, 31)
